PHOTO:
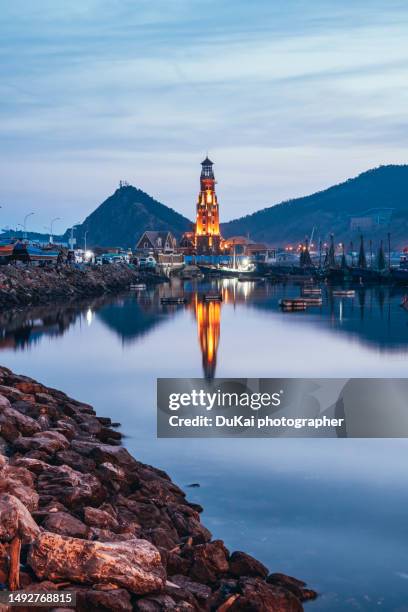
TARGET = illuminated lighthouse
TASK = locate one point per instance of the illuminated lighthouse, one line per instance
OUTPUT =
(207, 229)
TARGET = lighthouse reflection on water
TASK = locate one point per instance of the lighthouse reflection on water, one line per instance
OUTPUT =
(208, 317)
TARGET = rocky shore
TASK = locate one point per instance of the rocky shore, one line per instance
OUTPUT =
(28, 285)
(79, 513)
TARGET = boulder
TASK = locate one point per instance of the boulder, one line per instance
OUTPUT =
(16, 520)
(200, 591)
(134, 565)
(241, 564)
(75, 460)
(157, 603)
(72, 488)
(19, 482)
(208, 562)
(255, 594)
(95, 517)
(187, 523)
(89, 600)
(47, 441)
(65, 524)
(23, 423)
(295, 586)
(36, 466)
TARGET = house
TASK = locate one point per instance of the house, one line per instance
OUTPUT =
(159, 242)
(187, 243)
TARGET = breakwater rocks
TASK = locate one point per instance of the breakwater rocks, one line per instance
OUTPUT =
(79, 513)
(29, 285)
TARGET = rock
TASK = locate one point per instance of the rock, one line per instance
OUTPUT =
(257, 595)
(19, 482)
(163, 537)
(65, 524)
(47, 441)
(30, 387)
(187, 523)
(90, 600)
(295, 586)
(36, 466)
(95, 517)
(156, 603)
(200, 591)
(75, 460)
(134, 565)
(11, 393)
(241, 564)
(225, 595)
(102, 453)
(175, 564)
(16, 520)
(24, 424)
(72, 488)
(208, 561)
(105, 535)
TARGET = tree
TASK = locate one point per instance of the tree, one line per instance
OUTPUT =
(381, 263)
(362, 261)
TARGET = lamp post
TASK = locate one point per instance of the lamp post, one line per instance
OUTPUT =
(85, 235)
(25, 224)
(51, 227)
(71, 240)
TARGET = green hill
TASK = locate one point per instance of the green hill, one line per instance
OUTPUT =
(124, 216)
(332, 210)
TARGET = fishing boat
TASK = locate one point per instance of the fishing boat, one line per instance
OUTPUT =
(311, 291)
(312, 301)
(30, 253)
(344, 293)
(213, 297)
(173, 300)
(293, 304)
(6, 248)
(138, 287)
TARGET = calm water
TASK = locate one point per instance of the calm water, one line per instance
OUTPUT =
(330, 511)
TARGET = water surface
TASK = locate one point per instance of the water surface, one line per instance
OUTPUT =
(330, 511)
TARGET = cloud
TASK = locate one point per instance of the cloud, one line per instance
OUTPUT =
(97, 91)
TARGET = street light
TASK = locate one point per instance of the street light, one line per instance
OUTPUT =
(51, 226)
(25, 224)
(85, 235)
(71, 240)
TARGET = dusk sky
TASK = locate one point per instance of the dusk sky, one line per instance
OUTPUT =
(286, 97)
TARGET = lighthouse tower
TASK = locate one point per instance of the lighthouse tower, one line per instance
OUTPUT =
(207, 228)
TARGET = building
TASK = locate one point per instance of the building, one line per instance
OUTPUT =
(187, 243)
(207, 235)
(159, 242)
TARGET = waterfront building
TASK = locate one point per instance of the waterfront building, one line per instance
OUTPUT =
(157, 241)
(207, 235)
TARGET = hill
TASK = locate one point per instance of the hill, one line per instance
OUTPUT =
(124, 216)
(331, 210)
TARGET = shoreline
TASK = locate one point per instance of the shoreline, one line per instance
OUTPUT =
(33, 286)
(81, 514)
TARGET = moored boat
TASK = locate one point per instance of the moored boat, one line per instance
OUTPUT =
(344, 293)
(173, 300)
(293, 304)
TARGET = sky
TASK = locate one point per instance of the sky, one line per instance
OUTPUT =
(286, 97)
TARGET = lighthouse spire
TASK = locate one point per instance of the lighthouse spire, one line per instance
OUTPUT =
(207, 228)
